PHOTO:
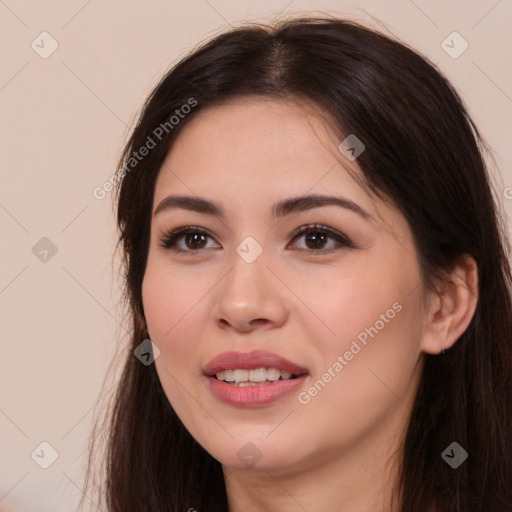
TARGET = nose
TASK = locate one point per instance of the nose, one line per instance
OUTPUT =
(250, 296)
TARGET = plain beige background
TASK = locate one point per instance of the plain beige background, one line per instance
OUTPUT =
(64, 121)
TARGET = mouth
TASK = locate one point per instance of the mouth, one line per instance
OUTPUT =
(256, 377)
(253, 379)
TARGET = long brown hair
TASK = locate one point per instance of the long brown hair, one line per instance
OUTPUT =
(425, 156)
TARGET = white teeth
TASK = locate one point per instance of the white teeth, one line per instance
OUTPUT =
(252, 377)
(241, 375)
(258, 375)
(273, 374)
(228, 376)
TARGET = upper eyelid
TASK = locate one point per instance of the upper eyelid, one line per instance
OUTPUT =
(178, 233)
(183, 230)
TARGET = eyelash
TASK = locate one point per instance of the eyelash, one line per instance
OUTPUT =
(168, 241)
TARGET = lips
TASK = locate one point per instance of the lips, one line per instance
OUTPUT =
(251, 361)
(257, 395)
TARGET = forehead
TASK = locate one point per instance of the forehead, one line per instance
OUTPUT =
(262, 142)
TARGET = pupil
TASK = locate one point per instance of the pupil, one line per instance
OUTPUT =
(320, 237)
(195, 237)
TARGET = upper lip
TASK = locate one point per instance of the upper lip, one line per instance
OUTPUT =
(251, 361)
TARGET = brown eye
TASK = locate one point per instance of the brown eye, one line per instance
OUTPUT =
(316, 240)
(194, 238)
(317, 237)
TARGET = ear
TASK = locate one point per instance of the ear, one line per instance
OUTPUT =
(452, 307)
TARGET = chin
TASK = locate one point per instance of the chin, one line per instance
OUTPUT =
(255, 452)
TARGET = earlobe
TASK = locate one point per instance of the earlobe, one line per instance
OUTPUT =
(452, 308)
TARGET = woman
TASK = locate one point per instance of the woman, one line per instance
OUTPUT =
(318, 281)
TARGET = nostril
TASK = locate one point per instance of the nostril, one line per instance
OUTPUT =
(258, 321)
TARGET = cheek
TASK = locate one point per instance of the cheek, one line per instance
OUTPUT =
(158, 305)
(371, 321)
(366, 369)
(176, 310)
(351, 307)
(170, 298)
(172, 307)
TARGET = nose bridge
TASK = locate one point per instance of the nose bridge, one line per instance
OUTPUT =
(247, 293)
(246, 283)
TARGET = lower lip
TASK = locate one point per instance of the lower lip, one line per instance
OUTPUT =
(254, 396)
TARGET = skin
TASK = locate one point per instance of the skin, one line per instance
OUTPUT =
(339, 451)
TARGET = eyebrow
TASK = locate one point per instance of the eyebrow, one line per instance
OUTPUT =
(280, 209)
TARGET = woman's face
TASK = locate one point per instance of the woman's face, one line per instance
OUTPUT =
(339, 308)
